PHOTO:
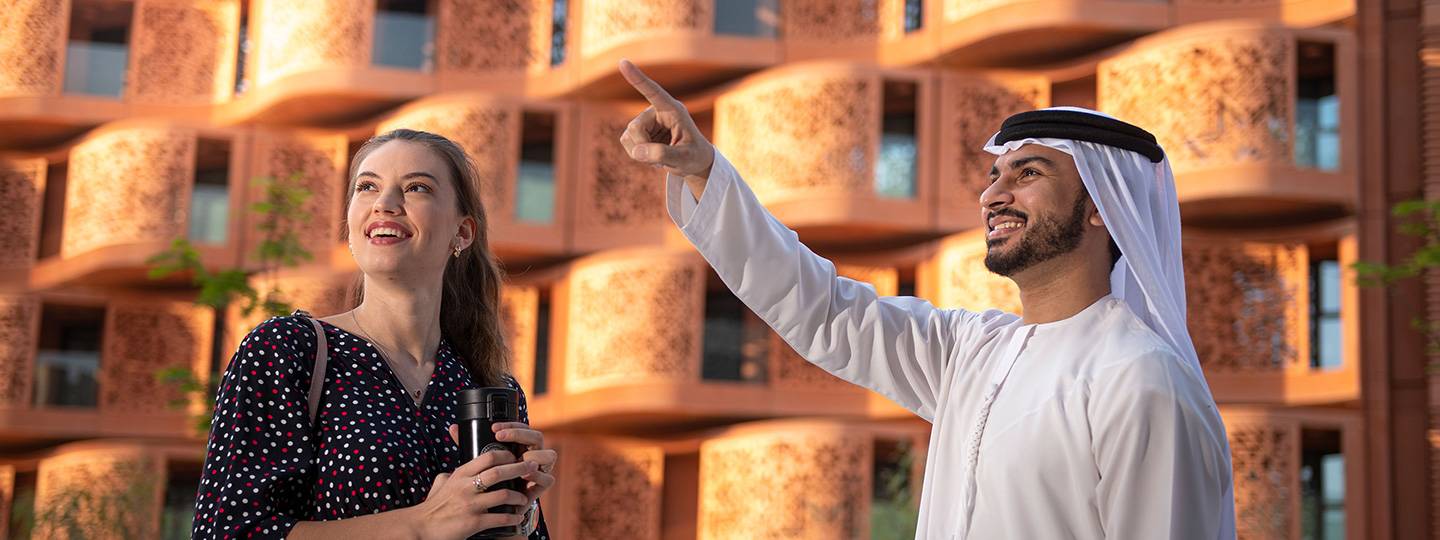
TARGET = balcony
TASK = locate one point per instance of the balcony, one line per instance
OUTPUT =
(111, 59)
(317, 159)
(110, 488)
(125, 191)
(827, 478)
(522, 158)
(682, 44)
(1275, 322)
(19, 243)
(833, 150)
(86, 367)
(971, 110)
(1259, 123)
(975, 33)
(1298, 469)
(955, 277)
(619, 201)
(337, 61)
(648, 337)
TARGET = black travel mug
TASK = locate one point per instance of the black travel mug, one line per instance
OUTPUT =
(478, 409)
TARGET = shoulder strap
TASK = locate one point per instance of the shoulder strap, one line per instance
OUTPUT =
(322, 357)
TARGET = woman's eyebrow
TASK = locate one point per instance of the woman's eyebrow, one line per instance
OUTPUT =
(419, 174)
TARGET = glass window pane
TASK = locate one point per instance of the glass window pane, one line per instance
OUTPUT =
(914, 15)
(95, 68)
(542, 346)
(67, 362)
(1332, 472)
(1329, 344)
(1329, 284)
(97, 51)
(1317, 108)
(535, 192)
(895, 168)
(209, 213)
(736, 342)
(178, 514)
(893, 513)
(753, 18)
(404, 36)
(558, 16)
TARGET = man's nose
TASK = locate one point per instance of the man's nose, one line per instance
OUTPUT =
(996, 196)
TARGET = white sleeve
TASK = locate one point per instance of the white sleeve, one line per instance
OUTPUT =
(896, 346)
(1162, 471)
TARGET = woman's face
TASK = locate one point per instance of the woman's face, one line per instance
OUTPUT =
(404, 219)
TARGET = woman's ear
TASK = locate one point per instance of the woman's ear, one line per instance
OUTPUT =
(465, 232)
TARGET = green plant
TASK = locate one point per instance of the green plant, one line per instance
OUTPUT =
(893, 509)
(1421, 219)
(282, 212)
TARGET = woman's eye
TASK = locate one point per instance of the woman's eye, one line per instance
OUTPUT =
(419, 187)
(364, 186)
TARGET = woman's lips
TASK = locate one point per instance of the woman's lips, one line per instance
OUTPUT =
(386, 240)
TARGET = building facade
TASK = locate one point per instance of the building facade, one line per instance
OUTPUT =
(1292, 126)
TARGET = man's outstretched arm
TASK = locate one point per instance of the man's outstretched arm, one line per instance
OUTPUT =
(896, 346)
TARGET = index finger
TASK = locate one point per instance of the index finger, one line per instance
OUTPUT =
(652, 91)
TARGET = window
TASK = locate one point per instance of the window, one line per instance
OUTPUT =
(736, 341)
(1325, 331)
(535, 183)
(542, 345)
(895, 166)
(52, 214)
(178, 513)
(751, 18)
(914, 15)
(558, 17)
(1322, 485)
(98, 51)
(210, 196)
(893, 509)
(1317, 108)
(22, 505)
(243, 50)
(404, 35)
(68, 360)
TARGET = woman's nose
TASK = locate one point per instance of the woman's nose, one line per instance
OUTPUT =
(389, 202)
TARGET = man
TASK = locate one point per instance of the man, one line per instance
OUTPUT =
(1087, 418)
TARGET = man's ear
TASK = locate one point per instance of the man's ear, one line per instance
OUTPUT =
(1092, 212)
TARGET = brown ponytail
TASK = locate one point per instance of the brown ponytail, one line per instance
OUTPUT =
(470, 292)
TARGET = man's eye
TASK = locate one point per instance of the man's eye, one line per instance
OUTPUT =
(1028, 172)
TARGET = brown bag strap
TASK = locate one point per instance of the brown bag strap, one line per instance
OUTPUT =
(322, 357)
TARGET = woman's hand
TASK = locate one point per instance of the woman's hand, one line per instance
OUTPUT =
(456, 507)
(544, 458)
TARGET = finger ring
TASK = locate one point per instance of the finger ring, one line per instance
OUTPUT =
(479, 484)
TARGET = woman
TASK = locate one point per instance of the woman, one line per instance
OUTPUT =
(381, 458)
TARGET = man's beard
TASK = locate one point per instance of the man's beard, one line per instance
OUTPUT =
(1043, 240)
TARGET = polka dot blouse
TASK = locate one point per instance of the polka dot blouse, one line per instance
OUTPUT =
(372, 450)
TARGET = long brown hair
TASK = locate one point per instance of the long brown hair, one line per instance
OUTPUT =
(470, 289)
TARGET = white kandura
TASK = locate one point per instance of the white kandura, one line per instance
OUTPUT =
(1090, 427)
